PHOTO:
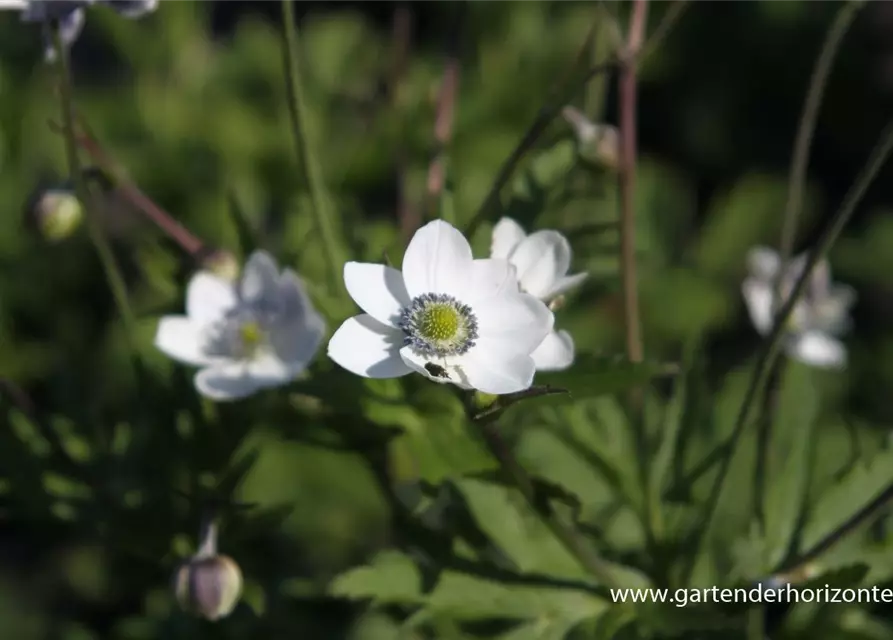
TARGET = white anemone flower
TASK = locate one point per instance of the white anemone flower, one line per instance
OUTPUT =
(447, 316)
(819, 317)
(258, 332)
(541, 261)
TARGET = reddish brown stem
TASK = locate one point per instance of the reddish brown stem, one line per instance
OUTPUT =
(177, 232)
(443, 128)
(627, 179)
(132, 194)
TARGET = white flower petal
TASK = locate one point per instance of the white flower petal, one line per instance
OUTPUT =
(507, 235)
(542, 259)
(181, 339)
(208, 297)
(428, 368)
(492, 372)
(518, 319)
(565, 284)
(364, 346)
(758, 299)
(818, 349)
(763, 263)
(295, 344)
(226, 382)
(490, 278)
(437, 260)
(377, 289)
(555, 353)
(268, 370)
(260, 278)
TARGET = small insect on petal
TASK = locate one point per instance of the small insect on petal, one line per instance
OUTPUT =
(436, 370)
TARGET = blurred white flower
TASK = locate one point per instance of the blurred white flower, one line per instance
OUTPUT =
(447, 316)
(261, 331)
(820, 315)
(541, 261)
(70, 14)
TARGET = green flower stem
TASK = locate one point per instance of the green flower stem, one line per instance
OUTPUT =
(322, 212)
(772, 346)
(564, 533)
(100, 242)
(808, 119)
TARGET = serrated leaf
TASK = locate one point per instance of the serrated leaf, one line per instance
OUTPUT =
(861, 485)
(392, 577)
(591, 375)
(517, 530)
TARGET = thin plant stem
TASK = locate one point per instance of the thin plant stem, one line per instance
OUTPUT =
(800, 157)
(627, 179)
(772, 345)
(443, 123)
(566, 535)
(408, 214)
(313, 175)
(101, 244)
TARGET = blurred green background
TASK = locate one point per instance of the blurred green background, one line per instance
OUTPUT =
(192, 102)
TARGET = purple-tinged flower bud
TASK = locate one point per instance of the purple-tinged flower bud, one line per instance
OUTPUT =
(209, 584)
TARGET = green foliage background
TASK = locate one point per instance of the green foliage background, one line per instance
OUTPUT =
(379, 490)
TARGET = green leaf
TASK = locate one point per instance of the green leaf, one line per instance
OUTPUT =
(439, 443)
(788, 453)
(593, 375)
(861, 484)
(517, 530)
(394, 578)
(675, 419)
(596, 485)
(391, 578)
(541, 629)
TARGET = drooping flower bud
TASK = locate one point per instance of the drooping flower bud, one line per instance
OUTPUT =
(56, 213)
(209, 584)
(598, 143)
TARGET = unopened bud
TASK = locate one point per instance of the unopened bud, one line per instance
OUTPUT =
(598, 143)
(556, 303)
(222, 263)
(209, 584)
(57, 213)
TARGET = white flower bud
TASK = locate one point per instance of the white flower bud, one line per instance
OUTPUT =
(598, 143)
(57, 213)
(222, 263)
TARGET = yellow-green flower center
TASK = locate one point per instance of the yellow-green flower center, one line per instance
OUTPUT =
(439, 322)
(438, 325)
